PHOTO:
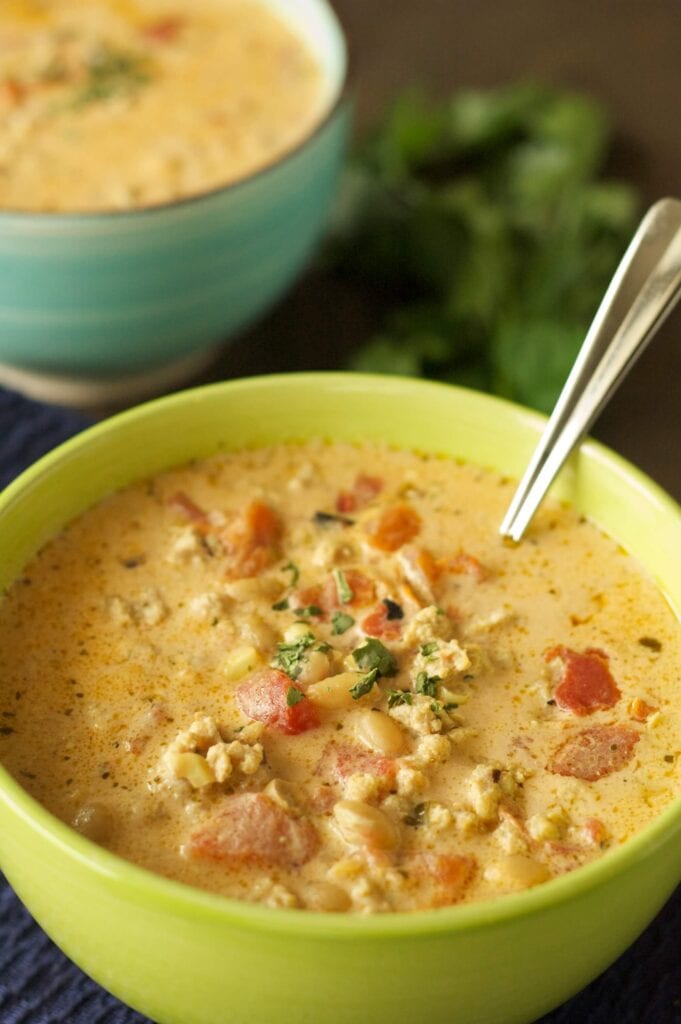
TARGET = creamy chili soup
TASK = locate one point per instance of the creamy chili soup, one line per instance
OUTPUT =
(314, 676)
(108, 104)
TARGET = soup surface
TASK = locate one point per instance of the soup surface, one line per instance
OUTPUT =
(111, 104)
(314, 676)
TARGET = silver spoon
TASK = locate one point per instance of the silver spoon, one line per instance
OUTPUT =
(642, 293)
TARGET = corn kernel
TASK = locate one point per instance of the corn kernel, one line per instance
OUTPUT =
(239, 662)
(194, 768)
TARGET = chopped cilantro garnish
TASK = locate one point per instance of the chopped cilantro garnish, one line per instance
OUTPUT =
(427, 649)
(372, 654)
(294, 696)
(323, 647)
(111, 73)
(289, 657)
(340, 622)
(396, 697)
(364, 685)
(295, 573)
(427, 685)
(393, 609)
(310, 610)
(436, 707)
(280, 606)
(345, 593)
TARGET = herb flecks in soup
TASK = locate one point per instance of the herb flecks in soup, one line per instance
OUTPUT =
(315, 677)
(112, 104)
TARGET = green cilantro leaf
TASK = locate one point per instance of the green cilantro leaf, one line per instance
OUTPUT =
(427, 685)
(396, 697)
(294, 696)
(295, 573)
(364, 685)
(345, 593)
(341, 622)
(373, 655)
(290, 657)
(111, 73)
(427, 649)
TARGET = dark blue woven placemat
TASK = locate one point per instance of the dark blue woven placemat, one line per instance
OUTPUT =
(38, 985)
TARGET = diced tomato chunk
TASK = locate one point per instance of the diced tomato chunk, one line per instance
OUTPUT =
(346, 502)
(426, 563)
(163, 30)
(340, 760)
(251, 540)
(309, 596)
(13, 91)
(586, 684)
(396, 526)
(364, 490)
(593, 753)
(378, 624)
(420, 572)
(265, 697)
(362, 588)
(448, 874)
(463, 564)
(249, 828)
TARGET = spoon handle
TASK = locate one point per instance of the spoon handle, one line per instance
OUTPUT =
(642, 293)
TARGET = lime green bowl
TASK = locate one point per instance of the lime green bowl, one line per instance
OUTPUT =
(183, 956)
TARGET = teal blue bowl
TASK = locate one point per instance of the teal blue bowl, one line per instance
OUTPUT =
(115, 293)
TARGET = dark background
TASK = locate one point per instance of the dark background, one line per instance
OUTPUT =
(626, 53)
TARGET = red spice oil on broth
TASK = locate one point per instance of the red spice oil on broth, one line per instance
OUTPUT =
(314, 676)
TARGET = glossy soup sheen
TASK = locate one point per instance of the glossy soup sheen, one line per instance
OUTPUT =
(113, 104)
(314, 676)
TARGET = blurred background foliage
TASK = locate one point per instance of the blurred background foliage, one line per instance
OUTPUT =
(487, 230)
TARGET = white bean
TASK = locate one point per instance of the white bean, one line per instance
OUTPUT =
(379, 732)
(333, 692)
(325, 896)
(361, 824)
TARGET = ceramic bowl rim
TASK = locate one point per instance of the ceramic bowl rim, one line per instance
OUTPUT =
(145, 887)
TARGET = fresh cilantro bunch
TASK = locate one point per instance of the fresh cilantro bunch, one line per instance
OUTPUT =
(484, 225)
